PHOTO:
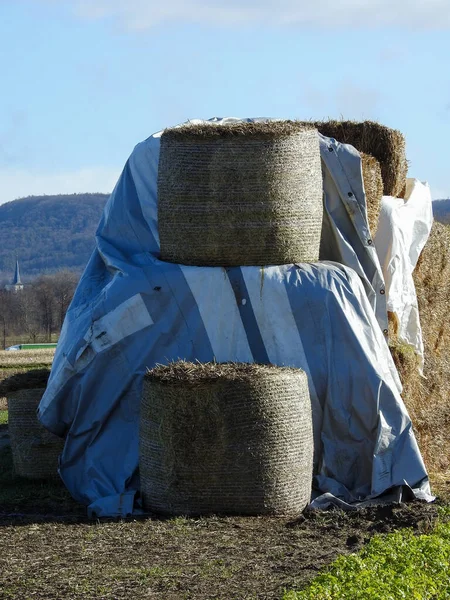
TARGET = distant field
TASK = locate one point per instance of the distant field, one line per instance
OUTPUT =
(26, 357)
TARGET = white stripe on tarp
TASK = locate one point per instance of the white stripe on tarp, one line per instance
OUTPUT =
(144, 170)
(273, 312)
(127, 318)
(216, 302)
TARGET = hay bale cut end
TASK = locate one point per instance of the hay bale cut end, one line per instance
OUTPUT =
(240, 194)
(226, 439)
(35, 450)
(385, 144)
(373, 186)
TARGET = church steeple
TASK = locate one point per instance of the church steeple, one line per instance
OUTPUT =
(16, 284)
(17, 280)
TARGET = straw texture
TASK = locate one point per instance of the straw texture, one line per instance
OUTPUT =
(427, 399)
(237, 439)
(35, 450)
(242, 194)
(385, 144)
(373, 185)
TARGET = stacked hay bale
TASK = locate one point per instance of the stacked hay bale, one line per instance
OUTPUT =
(386, 145)
(35, 450)
(226, 438)
(232, 438)
(373, 186)
(240, 194)
(427, 398)
(383, 158)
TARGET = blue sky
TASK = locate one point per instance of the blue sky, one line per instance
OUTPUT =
(83, 82)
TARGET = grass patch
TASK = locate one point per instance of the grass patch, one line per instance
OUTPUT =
(397, 565)
(3, 417)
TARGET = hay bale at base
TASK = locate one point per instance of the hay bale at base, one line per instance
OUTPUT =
(428, 399)
(35, 450)
(373, 185)
(385, 144)
(240, 194)
(226, 439)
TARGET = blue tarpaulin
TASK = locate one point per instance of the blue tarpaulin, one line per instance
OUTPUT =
(132, 311)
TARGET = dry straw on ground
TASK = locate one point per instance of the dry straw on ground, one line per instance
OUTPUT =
(26, 357)
(240, 194)
(428, 400)
(385, 144)
(230, 439)
(35, 450)
(373, 185)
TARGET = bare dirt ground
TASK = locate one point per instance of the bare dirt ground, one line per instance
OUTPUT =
(48, 550)
(220, 558)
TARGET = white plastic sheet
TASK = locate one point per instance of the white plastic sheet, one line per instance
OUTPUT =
(403, 230)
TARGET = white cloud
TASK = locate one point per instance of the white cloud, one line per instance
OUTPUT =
(142, 14)
(17, 183)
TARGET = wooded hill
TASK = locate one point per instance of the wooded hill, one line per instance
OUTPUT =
(441, 211)
(48, 233)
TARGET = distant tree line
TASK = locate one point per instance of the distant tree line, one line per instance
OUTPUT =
(37, 312)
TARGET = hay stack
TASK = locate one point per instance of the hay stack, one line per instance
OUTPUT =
(226, 438)
(35, 450)
(240, 194)
(385, 144)
(373, 185)
(428, 400)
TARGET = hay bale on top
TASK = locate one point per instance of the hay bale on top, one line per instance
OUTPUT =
(373, 185)
(385, 144)
(226, 438)
(427, 399)
(35, 450)
(240, 194)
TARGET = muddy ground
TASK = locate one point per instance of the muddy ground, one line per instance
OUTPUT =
(48, 550)
(209, 558)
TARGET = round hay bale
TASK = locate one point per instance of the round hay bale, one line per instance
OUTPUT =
(240, 194)
(35, 450)
(385, 144)
(373, 186)
(226, 439)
